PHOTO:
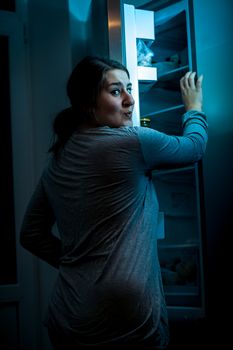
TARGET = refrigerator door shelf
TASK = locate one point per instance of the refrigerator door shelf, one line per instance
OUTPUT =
(147, 73)
(145, 28)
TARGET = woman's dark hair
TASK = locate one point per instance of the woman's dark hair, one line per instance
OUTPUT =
(83, 88)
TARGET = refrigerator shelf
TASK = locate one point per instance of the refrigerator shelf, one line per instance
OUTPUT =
(161, 97)
(154, 113)
(182, 291)
(178, 215)
(185, 313)
(172, 74)
(191, 246)
(147, 83)
(161, 172)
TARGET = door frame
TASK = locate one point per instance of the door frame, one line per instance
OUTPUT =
(19, 302)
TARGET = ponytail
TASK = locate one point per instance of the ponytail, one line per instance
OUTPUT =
(83, 88)
(64, 125)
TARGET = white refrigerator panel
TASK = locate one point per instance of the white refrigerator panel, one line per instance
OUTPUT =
(131, 56)
(137, 24)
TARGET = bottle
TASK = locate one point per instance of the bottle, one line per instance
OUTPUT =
(145, 121)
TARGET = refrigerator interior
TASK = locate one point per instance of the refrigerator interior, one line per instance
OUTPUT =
(169, 50)
(179, 250)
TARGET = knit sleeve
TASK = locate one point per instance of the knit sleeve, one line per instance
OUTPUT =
(160, 149)
(36, 231)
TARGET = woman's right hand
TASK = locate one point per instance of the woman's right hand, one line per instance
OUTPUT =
(191, 92)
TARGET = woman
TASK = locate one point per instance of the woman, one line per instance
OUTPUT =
(97, 188)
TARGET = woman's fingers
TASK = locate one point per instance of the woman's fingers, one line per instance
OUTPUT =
(191, 91)
(188, 81)
(199, 83)
(184, 82)
(191, 80)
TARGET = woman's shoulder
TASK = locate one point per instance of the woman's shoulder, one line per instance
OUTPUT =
(107, 131)
(133, 130)
(139, 131)
(111, 136)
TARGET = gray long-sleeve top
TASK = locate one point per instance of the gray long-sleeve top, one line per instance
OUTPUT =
(100, 194)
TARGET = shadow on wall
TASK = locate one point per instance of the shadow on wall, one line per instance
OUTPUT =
(218, 203)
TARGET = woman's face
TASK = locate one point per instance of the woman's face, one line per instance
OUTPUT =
(115, 102)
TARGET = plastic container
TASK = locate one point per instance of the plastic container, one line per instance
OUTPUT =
(145, 122)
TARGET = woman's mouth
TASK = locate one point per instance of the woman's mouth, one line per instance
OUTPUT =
(128, 115)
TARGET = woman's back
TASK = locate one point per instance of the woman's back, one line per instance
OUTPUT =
(106, 211)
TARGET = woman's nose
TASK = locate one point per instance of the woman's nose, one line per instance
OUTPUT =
(128, 100)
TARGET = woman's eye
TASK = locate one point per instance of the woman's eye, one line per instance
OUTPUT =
(115, 92)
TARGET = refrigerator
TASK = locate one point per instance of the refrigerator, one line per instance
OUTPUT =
(154, 39)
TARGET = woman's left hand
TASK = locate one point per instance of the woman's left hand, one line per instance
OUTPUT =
(191, 92)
